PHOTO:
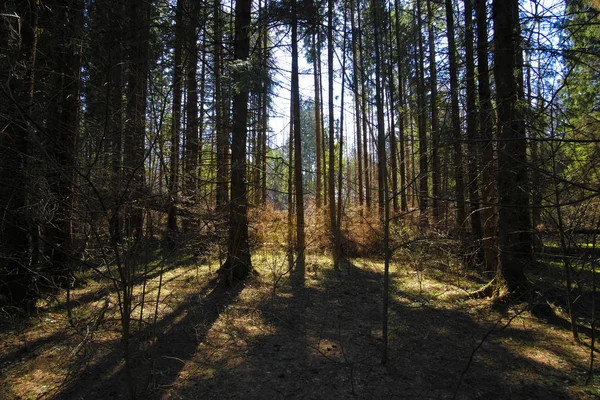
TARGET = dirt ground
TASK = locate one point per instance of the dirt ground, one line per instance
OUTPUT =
(291, 338)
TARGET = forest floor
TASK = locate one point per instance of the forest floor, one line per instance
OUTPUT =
(291, 338)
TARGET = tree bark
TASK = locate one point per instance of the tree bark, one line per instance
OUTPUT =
(175, 124)
(238, 265)
(486, 128)
(401, 110)
(17, 81)
(435, 119)
(221, 132)
(459, 180)
(297, 147)
(471, 111)
(318, 133)
(357, 114)
(331, 169)
(423, 158)
(514, 239)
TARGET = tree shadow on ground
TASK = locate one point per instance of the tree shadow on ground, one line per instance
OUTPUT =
(158, 358)
(322, 340)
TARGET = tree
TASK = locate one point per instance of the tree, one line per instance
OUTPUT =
(435, 119)
(486, 128)
(315, 55)
(192, 141)
(401, 108)
(356, 92)
(16, 95)
(381, 159)
(219, 101)
(297, 146)
(455, 121)
(175, 122)
(137, 50)
(422, 120)
(331, 169)
(514, 224)
(238, 265)
(472, 164)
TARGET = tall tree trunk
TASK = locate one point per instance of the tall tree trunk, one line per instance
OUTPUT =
(486, 127)
(338, 229)
(423, 159)
(63, 126)
(392, 123)
(221, 131)
(318, 133)
(331, 169)
(238, 264)
(17, 81)
(514, 239)
(379, 105)
(175, 124)
(435, 118)
(459, 181)
(290, 189)
(401, 109)
(191, 133)
(138, 12)
(365, 141)
(471, 111)
(265, 116)
(298, 147)
(357, 114)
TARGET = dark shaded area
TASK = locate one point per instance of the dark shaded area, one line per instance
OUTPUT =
(157, 363)
(325, 344)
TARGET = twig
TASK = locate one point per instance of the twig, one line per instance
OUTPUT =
(464, 372)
